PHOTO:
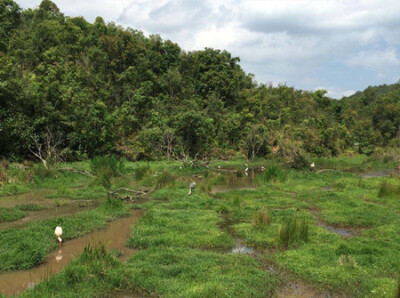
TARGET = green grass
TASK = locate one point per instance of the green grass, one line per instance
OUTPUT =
(184, 240)
(37, 238)
(11, 214)
(182, 272)
(31, 207)
(179, 228)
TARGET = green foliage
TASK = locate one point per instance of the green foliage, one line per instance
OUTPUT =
(141, 171)
(107, 165)
(11, 214)
(262, 218)
(272, 173)
(387, 189)
(161, 101)
(30, 207)
(294, 230)
(165, 179)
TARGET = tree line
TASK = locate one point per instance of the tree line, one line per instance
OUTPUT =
(97, 88)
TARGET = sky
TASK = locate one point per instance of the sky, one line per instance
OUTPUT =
(339, 45)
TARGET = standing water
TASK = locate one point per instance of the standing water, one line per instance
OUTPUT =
(113, 237)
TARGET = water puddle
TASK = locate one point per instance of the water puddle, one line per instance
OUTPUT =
(235, 182)
(33, 197)
(298, 289)
(376, 174)
(242, 249)
(113, 237)
(346, 233)
(341, 232)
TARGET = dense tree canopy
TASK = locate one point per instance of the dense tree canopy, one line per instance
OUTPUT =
(101, 88)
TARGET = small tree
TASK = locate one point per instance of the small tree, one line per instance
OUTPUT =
(255, 139)
(46, 149)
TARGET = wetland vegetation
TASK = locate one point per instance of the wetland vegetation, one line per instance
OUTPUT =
(279, 231)
(103, 129)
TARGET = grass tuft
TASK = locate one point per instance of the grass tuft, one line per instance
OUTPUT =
(294, 230)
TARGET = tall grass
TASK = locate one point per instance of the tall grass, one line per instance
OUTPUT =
(165, 179)
(111, 164)
(294, 230)
(262, 218)
(271, 174)
(387, 189)
(141, 171)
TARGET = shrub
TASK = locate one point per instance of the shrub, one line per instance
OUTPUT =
(294, 230)
(40, 172)
(300, 162)
(387, 189)
(111, 164)
(4, 163)
(165, 179)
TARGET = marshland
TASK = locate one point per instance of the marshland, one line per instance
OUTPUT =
(131, 166)
(130, 228)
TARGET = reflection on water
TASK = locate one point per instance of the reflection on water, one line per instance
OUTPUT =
(384, 173)
(235, 181)
(113, 237)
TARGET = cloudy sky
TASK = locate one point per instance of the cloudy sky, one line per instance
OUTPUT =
(338, 45)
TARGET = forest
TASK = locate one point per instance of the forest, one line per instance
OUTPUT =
(95, 89)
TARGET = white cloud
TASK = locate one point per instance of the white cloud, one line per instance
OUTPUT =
(375, 59)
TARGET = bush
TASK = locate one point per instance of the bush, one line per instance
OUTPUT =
(4, 163)
(294, 230)
(165, 179)
(113, 165)
(141, 171)
(40, 172)
(300, 162)
(387, 189)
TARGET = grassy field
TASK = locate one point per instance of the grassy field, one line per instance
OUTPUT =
(330, 229)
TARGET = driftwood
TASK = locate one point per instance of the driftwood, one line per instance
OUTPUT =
(75, 171)
(135, 192)
(325, 170)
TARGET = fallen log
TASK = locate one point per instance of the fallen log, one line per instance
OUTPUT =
(135, 192)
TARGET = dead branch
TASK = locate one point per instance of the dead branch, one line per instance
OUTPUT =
(86, 173)
(124, 189)
(325, 170)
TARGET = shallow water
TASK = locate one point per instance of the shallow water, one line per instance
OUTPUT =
(376, 174)
(234, 182)
(242, 249)
(341, 232)
(33, 197)
(113, 237)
